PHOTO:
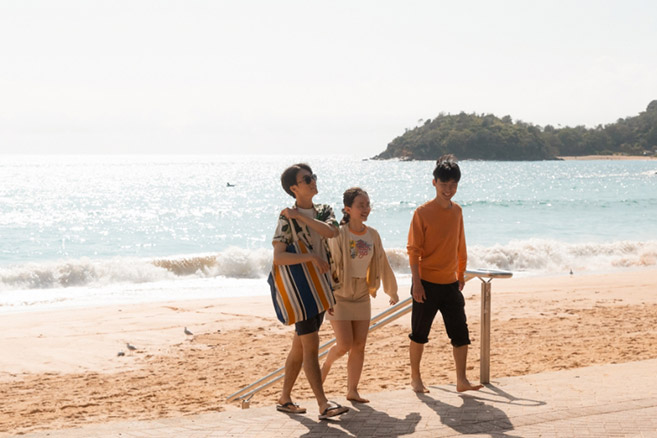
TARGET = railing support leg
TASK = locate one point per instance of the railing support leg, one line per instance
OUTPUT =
(484, 366)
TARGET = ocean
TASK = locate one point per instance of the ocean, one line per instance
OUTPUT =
(95, 230)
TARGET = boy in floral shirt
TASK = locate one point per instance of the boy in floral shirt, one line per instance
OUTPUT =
(316, 223)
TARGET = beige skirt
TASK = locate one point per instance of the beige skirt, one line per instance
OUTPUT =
(354, 308)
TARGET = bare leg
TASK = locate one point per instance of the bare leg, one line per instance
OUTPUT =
(292, 370)
(310, 345)
(460, 361)
(344, 338)
(416, 351)
(356, 360)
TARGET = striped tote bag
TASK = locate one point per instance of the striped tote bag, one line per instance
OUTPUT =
(299, 291)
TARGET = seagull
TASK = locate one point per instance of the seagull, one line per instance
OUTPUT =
(130, 347)
(187, 332)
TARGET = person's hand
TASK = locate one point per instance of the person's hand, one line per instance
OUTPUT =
(322, 265)
(461, 285)
(331, 311)
(393, 301)
(418, 292)
(291, 213)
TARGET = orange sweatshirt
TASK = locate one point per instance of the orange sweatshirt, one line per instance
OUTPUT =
(436, 242)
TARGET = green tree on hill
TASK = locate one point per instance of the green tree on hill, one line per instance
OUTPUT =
(487, 137)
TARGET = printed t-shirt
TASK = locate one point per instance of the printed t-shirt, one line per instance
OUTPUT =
(361, 247)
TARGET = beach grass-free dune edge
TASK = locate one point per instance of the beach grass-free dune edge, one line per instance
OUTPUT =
(61, 368)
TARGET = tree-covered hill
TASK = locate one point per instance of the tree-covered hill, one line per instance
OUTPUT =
(487, 137)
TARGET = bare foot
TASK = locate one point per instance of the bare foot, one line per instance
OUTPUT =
(465, 385)
(418, 386)
(355, 397)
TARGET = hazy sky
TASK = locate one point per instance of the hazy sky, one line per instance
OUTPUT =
(279, 76)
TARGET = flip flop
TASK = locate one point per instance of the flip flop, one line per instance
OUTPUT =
(333, 410)
(290, 408)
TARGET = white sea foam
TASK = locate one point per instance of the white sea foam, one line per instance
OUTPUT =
(188, 288)
(239, 272)
(533, 256)
(232, 263)
(543, 256)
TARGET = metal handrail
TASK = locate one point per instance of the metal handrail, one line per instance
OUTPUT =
(382, 319)
(275, 374)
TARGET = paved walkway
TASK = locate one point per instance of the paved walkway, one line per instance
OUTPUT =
(600, 401)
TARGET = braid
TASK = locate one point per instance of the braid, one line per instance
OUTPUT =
(345, 217)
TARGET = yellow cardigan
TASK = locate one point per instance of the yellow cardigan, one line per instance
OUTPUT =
(378, 270)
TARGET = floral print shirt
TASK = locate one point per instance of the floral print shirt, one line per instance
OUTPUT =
(323, 213)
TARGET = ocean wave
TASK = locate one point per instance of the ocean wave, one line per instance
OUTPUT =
(82, 272)
(534, 256)
(234, 263)
(545, 256)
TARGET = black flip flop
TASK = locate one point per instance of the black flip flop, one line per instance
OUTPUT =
(333, 410)
(289, 408)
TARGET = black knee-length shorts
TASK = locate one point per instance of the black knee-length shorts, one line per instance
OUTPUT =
(449, 300)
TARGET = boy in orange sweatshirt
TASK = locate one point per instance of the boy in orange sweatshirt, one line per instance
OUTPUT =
(438, 256)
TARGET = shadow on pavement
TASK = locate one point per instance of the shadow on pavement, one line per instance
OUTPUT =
(477, 414)
(361, 421)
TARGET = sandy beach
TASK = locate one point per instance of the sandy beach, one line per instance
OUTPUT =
(61, 368)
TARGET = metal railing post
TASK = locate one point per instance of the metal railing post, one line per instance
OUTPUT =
(484, 352)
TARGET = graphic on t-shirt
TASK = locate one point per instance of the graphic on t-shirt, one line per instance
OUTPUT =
(359, 248)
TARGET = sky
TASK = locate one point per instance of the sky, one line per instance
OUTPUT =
(311, 77)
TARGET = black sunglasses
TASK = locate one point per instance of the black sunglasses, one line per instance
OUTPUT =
(308, 178)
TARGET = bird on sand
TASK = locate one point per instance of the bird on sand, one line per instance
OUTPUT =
(130, 346)
(187, 332)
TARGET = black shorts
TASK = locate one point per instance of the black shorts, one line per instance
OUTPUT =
(311, 325)
(449, 300)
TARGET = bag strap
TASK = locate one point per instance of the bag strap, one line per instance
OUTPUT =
(293, 228)
(295, 237)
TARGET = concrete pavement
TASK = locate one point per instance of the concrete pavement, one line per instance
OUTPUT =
(617, 400)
